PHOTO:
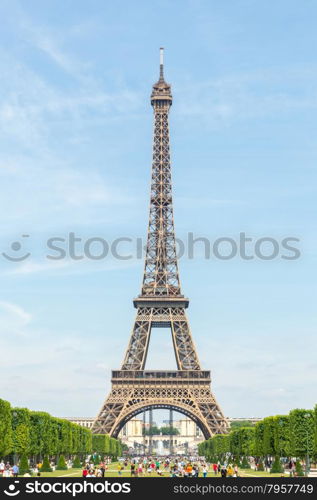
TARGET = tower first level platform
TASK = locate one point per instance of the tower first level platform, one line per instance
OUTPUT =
(185, 391)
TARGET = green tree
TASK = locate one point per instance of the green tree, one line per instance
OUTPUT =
(302, 432)
(268, 436)
(153, 431)
(202, 449)
(113, 448)
(76, 439)
(241, 423)
(221, 445)
(55, 426)
(168, 431)
(66, 436)
(99, 443)
(107, 445)
(24, 465)
(77, 463)
(299, 468)
(315, 440)
(211, 452)
(276, 466)
(21, 430)
(258, 439)
(235, 444)
(84, 437)
(247, 441)
(41, 433)
(46, 467)
(61, 464)
(281, 435)
(119, 448)
(6, 439)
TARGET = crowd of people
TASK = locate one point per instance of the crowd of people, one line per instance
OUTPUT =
(137, 467)
(148, 466)
(8, 470)
(169, 467)
(90, 469)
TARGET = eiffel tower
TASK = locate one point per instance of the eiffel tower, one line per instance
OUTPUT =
(161, 304)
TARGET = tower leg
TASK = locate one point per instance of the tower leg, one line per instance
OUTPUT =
(171, 433)
(143, 430)
(150, 431)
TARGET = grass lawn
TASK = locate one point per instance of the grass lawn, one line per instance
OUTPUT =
(113, 472)
(254, 473)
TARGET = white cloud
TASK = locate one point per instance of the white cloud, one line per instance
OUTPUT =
(31, 267)
(17, 311)
(68, 266)
(248, 95)
(14, 320)
(56, 195)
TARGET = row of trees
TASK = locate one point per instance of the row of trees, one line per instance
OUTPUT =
(34, 433)
(102, 444)
(292, 435)
(165, 431)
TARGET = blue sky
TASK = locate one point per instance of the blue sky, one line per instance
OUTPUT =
(75, 156)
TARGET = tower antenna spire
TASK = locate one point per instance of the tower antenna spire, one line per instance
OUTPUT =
(161, 63)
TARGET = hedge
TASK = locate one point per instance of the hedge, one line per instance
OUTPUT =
(279, 436)
(36, 433)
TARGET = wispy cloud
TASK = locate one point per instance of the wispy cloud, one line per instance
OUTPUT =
(56, 196)
(17, 311)
(67, 266)
(14, 320)
(250, 94)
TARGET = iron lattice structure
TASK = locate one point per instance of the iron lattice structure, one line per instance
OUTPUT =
(161, 304)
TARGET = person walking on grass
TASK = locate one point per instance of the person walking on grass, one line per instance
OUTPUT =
(132, 469)
(205, 470)
(230, 471)
(15, 470)
(102, 469)
(140, 469)
(223, 471)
